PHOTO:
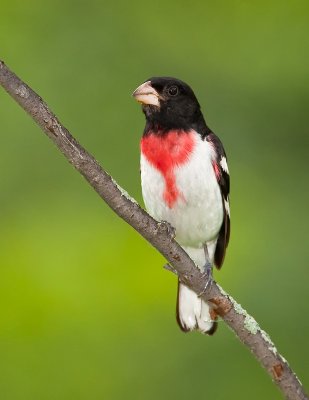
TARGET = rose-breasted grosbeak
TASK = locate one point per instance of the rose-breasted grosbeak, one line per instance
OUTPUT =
(185, 181)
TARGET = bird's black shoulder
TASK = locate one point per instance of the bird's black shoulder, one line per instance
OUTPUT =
(221, 167)
(223, 178)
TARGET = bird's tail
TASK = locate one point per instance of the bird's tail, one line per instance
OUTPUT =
(192, 312)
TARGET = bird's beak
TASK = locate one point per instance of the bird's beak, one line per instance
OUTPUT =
(146, 94)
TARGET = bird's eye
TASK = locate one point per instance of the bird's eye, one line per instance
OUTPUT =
(173, 90)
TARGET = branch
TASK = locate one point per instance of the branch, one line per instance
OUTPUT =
(158, 234)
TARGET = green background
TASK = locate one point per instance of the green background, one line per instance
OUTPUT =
(87, 312)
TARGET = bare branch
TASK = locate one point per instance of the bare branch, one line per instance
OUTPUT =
(158, 234)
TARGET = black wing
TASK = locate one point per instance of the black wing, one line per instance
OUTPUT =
(223, 178)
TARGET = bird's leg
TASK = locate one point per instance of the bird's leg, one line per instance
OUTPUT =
(207, 270)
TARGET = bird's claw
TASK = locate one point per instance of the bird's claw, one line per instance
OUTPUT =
(171, 231)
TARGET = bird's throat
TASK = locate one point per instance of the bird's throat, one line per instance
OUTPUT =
(165, 152)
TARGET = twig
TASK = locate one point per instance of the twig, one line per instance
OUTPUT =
(158, 234)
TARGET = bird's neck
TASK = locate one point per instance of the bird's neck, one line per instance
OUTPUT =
(162, 124)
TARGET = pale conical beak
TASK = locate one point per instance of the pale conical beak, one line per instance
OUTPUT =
(146, 94)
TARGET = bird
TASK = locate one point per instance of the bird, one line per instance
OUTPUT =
(185, 182)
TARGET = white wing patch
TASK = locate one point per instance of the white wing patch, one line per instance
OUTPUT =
(223, 164)
(227, 206)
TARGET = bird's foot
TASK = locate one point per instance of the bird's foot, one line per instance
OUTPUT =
(170, 230)
(207, 275)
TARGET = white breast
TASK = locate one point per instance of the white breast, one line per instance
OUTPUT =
(197, 214)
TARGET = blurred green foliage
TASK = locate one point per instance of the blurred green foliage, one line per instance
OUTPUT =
(87, 311)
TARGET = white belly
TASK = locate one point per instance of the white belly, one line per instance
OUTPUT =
(197, 214)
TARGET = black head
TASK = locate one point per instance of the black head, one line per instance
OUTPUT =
(168, 103)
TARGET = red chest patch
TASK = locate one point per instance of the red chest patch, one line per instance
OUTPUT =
(165, 152)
